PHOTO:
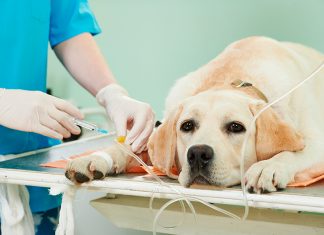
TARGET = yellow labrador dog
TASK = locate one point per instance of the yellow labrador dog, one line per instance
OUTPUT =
(208, 111)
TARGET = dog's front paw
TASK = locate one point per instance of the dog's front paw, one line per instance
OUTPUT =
(267, 176)
(84, 169)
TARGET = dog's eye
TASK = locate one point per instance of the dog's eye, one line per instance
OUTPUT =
(188, 126)
(235, 127)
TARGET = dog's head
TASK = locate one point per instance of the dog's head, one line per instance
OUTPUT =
(203, 136)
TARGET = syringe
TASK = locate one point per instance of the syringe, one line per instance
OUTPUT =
(89, 126)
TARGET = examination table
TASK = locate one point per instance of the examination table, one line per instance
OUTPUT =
(292, 211)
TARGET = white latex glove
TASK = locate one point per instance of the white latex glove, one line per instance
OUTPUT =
(127, 112)
(34, 111)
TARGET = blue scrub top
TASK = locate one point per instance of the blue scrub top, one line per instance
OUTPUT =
(26, 28)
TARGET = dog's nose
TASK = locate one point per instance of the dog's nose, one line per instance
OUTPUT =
(199, 157)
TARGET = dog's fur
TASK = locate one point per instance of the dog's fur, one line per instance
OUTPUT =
(286, 140)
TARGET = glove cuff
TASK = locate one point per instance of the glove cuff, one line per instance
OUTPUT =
(110, 92)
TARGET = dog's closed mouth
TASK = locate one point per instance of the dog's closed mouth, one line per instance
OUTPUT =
(200, 180)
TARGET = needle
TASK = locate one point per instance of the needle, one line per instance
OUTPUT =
(89, 126)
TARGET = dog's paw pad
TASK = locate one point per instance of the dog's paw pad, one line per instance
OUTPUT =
(97, 175)
(264, 190)
(250, 189)
(81, 178)
(67, 174)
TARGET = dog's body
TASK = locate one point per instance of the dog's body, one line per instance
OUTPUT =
(207, 114)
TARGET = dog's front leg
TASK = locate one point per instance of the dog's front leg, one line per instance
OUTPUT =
(275, 173)
(97, 165)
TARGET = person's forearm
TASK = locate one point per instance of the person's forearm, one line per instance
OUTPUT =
(83, 59)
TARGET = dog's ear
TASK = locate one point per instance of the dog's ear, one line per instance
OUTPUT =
(162, 145)
(274, 135)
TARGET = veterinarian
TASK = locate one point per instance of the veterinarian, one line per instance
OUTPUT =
(29, 118)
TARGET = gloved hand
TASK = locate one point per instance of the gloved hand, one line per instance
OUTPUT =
(34, 111)
(127, 113)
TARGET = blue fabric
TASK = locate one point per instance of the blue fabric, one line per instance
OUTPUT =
(69, 19)
(47, 221)
(40, 200)
(26, 28)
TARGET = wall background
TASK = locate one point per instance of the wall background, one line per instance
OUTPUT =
(151, 43)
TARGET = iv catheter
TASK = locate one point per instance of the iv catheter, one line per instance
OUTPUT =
(89, 126)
